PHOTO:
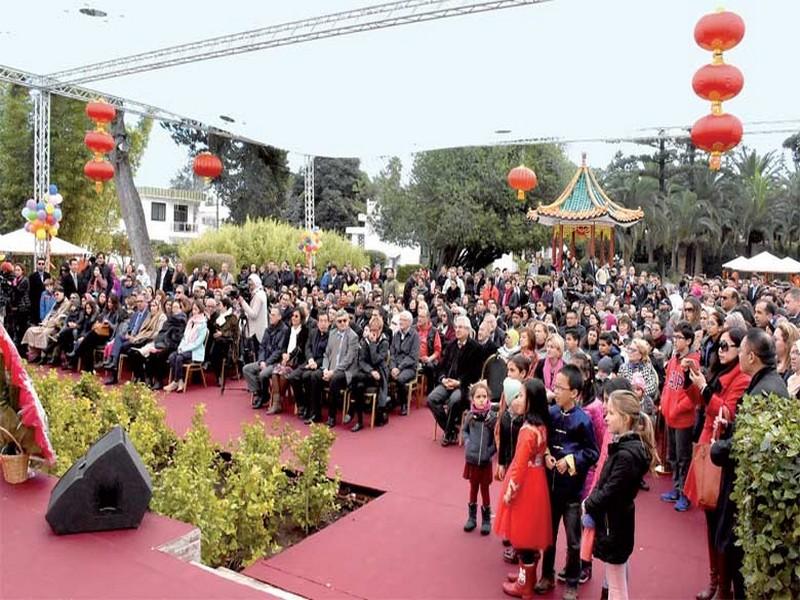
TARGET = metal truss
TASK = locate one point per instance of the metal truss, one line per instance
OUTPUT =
(381, 16)
(308, 195)
(41, 144)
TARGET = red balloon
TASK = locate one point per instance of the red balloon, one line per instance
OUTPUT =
(719, 31)
(522, 179)
(717, 82)
(98, 141)
(207, 165)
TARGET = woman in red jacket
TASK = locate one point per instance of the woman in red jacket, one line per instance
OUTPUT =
(720, 394)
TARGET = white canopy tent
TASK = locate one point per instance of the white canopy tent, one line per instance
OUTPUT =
(764, 262)
(22, 242)
(740, 263)
(792, 266)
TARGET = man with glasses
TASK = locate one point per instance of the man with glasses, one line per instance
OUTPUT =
(729, 299)
(460, 368)
(679, 400)
(340, 362)
(273, 344)
(36, 282)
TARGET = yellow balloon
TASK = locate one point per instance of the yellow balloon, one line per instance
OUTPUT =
(41, 234)
(49, 208)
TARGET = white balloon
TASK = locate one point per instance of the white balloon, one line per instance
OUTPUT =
(56, 199)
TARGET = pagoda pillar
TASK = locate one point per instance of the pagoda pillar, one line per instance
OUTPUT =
(560, 247)
(611, 245)
(572, 243)
(553, 256)
(591, 242)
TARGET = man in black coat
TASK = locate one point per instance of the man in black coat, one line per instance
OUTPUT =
(164, 276)
(757, 358)
(403, 361)
(460, 368)
(36, 288)
(273, 345)
(307, 378)
(71, 282)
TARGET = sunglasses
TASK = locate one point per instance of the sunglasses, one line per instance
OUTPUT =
(725, 346)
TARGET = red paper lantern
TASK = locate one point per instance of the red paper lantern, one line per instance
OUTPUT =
(522, 179)
(719, 31)
(98, 171)
(207, 166)
(98, 142)
(717, 82)
(717, 134)
(101, 112)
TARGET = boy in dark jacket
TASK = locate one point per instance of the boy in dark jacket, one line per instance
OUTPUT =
(572, 451)
(478, 435)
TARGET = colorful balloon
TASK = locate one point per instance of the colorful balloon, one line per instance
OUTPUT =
(31, 204)
(49, 208)
(56, 199)
(53, 188)
(41, 214)
(57, 214)
(41, 234)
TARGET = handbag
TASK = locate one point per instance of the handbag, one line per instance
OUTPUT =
(102, 329)
(703, 478)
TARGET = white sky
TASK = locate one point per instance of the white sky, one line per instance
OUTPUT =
(567, 68)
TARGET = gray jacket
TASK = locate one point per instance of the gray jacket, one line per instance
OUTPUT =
(478, 434)
(347, 358)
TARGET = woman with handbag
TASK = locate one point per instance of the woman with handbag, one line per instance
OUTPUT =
(720, 395)
(102, 330)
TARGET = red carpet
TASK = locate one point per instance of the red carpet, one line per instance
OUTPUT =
(35, 563)
(406, 544)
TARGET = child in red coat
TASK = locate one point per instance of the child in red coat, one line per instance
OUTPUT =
(523, 516)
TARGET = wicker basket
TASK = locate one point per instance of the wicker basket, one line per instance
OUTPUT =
(15, 466)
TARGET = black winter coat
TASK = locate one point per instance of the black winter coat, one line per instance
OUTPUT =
(611, 502)
(509, 433)
(478, 436)
(766, 381)
(171, 333)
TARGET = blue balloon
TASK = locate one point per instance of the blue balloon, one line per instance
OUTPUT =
(53, 188)
(40, 206)
(57, 214)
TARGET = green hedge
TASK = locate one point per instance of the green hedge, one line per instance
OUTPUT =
(213, 259)
(376, 257)
(766, 447)
(264, 240)
(241, 496)
(403, 272)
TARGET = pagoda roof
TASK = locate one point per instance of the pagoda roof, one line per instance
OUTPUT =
(584, 202)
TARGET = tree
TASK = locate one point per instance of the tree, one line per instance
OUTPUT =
(254, 177)
(16, 155)
(458, 205)
(340, 193)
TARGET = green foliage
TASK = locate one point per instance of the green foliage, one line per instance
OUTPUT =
(264, 240)
(164, 249)
(213, 260)
(16, 155)
(766, 447)
(272, 481)
(405, 271)
(376, 257)
(458, 205)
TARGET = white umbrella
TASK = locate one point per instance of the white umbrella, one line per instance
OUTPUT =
(22, 242)
(740, 263)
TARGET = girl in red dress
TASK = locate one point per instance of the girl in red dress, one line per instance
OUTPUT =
(523, 516)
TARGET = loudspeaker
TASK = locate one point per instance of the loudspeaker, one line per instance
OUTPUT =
(107, 488)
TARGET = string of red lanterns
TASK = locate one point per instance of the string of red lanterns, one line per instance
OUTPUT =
(100, 143)
(717, 82)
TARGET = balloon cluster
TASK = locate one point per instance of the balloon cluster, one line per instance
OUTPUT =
(310, 242)
(43, 217)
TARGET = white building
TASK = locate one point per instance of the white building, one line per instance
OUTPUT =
(365, 236)
(175, 216)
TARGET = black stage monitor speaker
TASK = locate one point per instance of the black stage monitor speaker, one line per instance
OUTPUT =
(108, 488)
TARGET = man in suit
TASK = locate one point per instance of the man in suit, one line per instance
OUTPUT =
(124, 336)
(461, 367)
(36, 288)
(340, 362)
(590, 270)
(71, 281)
(757, 358)
(273, 345)
(164, 276)
(403, 361)
(306, 380)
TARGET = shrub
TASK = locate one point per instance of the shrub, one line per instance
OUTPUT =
(213, 260)
(766, 447)
(403, 272)
(271, 482)
(264, 240)
(376, 257)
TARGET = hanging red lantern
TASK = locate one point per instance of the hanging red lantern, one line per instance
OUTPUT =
(207, 166)
(101, 112)
(522, 179)
(98, 171)
(717, 82)
(717, 134)
(719, 31)
(98, 142)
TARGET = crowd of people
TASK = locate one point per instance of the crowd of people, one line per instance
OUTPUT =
(596, 363)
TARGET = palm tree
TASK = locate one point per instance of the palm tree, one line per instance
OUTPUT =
(756, 183)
